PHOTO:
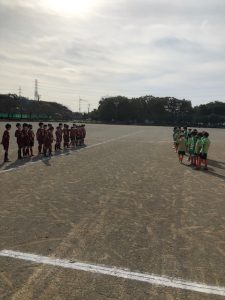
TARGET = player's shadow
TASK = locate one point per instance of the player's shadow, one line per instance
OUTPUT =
(18, 163)
(211, 172)
(2, 164)
(46, 161)
(216, 164)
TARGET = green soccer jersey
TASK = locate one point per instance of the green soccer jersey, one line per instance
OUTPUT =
(205, 145)
(181, 144)
(193, 143)
(176, 136)
(198, 146)
(189, 142)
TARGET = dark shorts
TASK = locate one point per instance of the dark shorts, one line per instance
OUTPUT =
(203, 155)
(6, 148)
(181, 152)
(20, 145)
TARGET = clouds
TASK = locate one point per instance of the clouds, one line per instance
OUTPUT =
(167, 48)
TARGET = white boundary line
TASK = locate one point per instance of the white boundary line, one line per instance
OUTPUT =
(117, 272)
(65, 154)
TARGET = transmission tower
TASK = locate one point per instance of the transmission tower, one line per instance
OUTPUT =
(80, 102)
(36, 95)
(20, 91)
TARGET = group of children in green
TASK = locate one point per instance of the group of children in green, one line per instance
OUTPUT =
(70, 136)
(193, 143)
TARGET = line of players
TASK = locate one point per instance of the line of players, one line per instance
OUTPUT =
(195, 143)
(71, 137)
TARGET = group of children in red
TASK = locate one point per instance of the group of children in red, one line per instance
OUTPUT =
(25, 136)
(195, 144)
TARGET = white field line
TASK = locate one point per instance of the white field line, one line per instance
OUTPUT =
(117, 272)
(65, 154)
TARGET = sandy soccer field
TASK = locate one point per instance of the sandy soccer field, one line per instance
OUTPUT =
(118, 219)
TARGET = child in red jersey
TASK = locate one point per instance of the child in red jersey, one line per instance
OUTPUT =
(31, 139)
(48, 140)
(66, 136)
(58, 135)
(79, 135)
(25, 138)
(40, 137)
(19, 139)
(5, 142)
(76, 134)
(83, 134)
(73, 136)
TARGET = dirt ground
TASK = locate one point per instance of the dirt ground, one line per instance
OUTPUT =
(122, 201)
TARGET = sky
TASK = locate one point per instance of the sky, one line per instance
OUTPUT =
(91, 49)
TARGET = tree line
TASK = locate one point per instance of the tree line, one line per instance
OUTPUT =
(14, 107)
(158, 111)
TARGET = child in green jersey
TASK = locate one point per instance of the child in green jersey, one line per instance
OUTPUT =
(181, 147)
(176, 138)
(198, 147)
(192, 147)
(174, 132)
(188, 145)
(204, 149)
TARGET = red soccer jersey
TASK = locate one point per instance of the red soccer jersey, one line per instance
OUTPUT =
(19, 137)
(40, 135)
(5, 139)
(58, 135)
(31, 135)
(48, 139)
(25, 138)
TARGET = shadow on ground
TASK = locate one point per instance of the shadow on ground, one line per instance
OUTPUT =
(39, 158)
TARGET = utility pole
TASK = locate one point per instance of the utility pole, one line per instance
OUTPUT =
(89, 105)
(79, 104)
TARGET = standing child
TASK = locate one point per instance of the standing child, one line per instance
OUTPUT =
(40, 137)
(73, 137)
(192, 147)
(174, 141)
(204, 150)
(48, 140)
(25, 138)
(181, 147)
(19, 139)
(31, 139)
(83, 134)
(176, 138)
(66, 136)
(5, 142)
(79, 135)
(198, 147)
(58, 135)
